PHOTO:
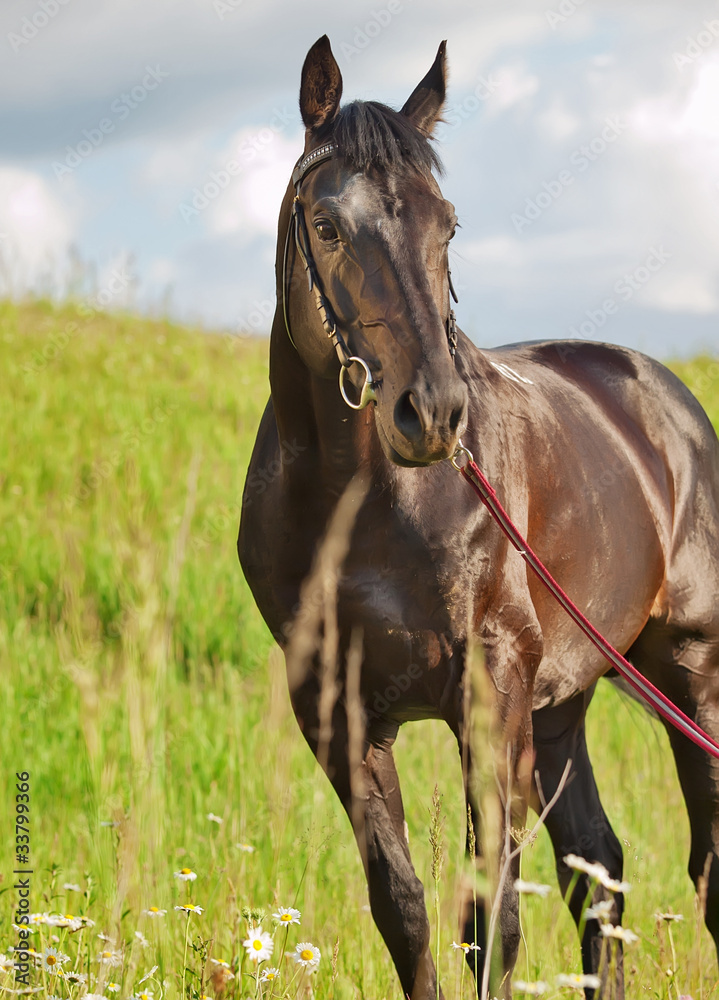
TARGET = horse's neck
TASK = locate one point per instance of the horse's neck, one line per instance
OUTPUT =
(322, 435)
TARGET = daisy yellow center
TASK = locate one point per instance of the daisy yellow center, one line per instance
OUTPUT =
(287, 917)
(154, 909)
(185, 871)
(464, 945)
(257, 944)
(51, 960)
(107, 954)
(270, 975)
(306, 954)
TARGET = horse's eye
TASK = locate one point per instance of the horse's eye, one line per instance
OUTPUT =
(326, 231)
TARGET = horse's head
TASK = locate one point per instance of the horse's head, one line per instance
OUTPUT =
(375, 227)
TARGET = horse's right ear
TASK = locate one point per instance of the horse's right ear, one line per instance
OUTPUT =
(321, 86)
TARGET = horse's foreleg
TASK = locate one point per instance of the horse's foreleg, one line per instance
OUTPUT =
(372, 798)
(577, 824)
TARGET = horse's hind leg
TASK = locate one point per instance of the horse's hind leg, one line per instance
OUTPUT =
(685, 666)
(577, 824)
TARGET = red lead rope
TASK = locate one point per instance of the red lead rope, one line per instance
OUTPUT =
(666, 708)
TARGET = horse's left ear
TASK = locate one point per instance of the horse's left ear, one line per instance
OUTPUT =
(321, 86)
(424, 106)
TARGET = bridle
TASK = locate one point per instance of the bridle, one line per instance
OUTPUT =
(298, 226)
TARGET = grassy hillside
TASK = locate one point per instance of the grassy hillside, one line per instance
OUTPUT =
(142, 693)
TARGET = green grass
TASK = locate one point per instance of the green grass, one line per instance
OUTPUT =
(141, 688)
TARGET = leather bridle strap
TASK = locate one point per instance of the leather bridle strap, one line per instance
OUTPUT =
(298, 225)
(302, 242)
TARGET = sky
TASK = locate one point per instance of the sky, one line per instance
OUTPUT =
(145, 146)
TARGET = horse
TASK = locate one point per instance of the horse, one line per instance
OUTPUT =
(364, 294)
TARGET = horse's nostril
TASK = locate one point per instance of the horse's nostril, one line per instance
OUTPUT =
(406, 417)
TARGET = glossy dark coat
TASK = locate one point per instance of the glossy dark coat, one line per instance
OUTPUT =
(603, 459)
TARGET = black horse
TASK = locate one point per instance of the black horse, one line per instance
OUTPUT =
(426, 570)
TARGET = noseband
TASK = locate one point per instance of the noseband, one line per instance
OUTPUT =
(302, 242)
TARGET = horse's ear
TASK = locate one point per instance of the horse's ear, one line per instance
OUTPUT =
(424, 106)
(321, 86)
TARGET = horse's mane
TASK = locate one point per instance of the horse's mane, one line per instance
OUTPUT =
(369, 134)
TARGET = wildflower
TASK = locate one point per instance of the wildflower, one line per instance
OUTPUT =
(465, 947)
(601, 910)
(108, 940)
(614, 885)
(6, 964)
(307, 955)
(71, 887)
(621, 933)
(142, 939)
(74, 977)
(113, 987)
(186, 875)
(596, 871)
(668, 916)
(147, 975)
(269, 975)
(214, 819)
(586, 982)
(154, 911)
(532, 888)
(532, 989)
(190, 908)
(93, 996)
(52, 960)
(110, 958)
(38, 918)
(142, 996)
(259, 945)
(287, 915)
(247, 848)
(221, 962)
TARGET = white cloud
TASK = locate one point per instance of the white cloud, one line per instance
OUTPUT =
(37, 229)
(250, 203)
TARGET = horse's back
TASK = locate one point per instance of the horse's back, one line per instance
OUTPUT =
(672, 443)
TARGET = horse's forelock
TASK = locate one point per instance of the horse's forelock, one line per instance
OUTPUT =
(369, 134)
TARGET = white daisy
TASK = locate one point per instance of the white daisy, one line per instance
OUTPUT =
(601, 910)
(142, 939)
(247, 848)
(593, 869)
(463, 946)
(110, 957)
(259, 945)
(532, 888)
(214, 819)
(154, 911)
(668, 916)
(147, 975)
(186, 875)
(190, 908)
(307, 955)
(52, 960)
(75, 977)
(72, 887)
(531, 989)
(621, 933)
(269, 975)
(596, 871)
(287, 915)
(113, 987)
(584, 982)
